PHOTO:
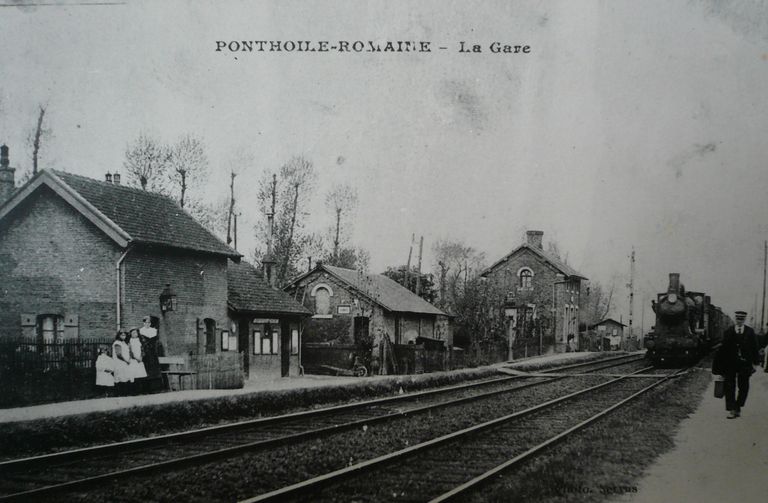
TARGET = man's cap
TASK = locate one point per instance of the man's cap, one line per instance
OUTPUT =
(740, 314)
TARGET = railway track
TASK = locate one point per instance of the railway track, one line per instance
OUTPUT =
(450, 467)
(52, 474)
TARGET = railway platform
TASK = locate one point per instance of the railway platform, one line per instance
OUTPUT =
(59, 409)
(715, 459)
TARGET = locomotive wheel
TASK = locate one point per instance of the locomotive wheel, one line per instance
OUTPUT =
(361, 371)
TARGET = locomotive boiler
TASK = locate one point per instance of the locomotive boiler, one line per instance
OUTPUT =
(687, 325)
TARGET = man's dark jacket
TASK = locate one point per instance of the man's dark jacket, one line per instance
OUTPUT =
(738, 352)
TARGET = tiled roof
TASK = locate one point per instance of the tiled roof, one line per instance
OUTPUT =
(145, 216)
(608, 320)
(567, 270)
(247, 291)
(384, 291)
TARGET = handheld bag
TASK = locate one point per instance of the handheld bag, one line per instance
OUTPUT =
(719, 387)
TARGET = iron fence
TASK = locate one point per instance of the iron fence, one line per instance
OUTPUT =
(21, 355)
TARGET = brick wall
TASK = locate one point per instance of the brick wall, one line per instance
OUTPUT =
(54, 261)
(200, 283)
(339, 328)
(336, 327)
(545, 276)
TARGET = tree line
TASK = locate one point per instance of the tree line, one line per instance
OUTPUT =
(181, 170)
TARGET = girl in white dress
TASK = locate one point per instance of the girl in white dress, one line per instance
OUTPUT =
(121, 355)
(105, 380)
(136, 365)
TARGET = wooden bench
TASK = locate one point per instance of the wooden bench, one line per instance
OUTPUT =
(175, 366)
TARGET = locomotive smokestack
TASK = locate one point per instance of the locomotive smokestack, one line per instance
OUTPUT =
(674, 282)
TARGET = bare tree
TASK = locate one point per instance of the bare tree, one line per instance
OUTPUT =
(599, 301)
(342, 201)
(231, 211)
(146, 164)
(212, 216)
(37, 138)
(295, 186)
(187, 166)
(457, 265)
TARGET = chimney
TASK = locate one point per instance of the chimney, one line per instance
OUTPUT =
(108, 177)
(268, 264)
(674, 282)
(534, 239)
(116, 178)
(7, 178)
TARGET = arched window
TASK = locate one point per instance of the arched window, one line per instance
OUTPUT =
(526, 277)
(322, 301)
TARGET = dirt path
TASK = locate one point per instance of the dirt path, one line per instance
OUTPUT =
(715, 459)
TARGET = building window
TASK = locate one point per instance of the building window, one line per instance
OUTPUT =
(294, 341)
(264, 343)
(526, 278)
(257, 342)
(322, 301)
(210, 335)
(228, 341)
(50, 328)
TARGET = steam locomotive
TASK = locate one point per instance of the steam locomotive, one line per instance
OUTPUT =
(687, 326)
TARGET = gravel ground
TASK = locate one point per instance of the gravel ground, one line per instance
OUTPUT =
(607, 458)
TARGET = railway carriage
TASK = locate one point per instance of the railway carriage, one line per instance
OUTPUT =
(687, 326)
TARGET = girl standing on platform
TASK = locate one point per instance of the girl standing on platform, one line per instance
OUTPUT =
(121, 356)
(136, 364)
(105, 379)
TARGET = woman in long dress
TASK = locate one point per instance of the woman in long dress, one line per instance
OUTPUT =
(136, 365)
(121, 356)
(149, 344)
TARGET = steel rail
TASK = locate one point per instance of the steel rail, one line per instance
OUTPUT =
(315, 483)
(84, 452)
(286, 439)
(474, 483)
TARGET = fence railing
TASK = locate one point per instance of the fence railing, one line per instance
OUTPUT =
(408, 358)
(29, 354)
(34, 372)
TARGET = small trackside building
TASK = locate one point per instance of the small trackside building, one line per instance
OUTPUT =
(350, 307)
(610, 334)
(268, 323)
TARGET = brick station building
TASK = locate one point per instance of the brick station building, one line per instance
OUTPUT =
(80, 258)
(349, 306)
(543, 294)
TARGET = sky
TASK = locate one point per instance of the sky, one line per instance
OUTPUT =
(629, 125)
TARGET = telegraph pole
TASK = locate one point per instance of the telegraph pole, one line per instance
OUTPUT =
(269, 261)
(631, 286)
(418, 278)
(765, 262)
(407, 278)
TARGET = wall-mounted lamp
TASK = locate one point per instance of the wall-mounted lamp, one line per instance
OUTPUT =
(167, 299)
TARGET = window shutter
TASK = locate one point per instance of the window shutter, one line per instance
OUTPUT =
(28, 325)
(71, 326)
